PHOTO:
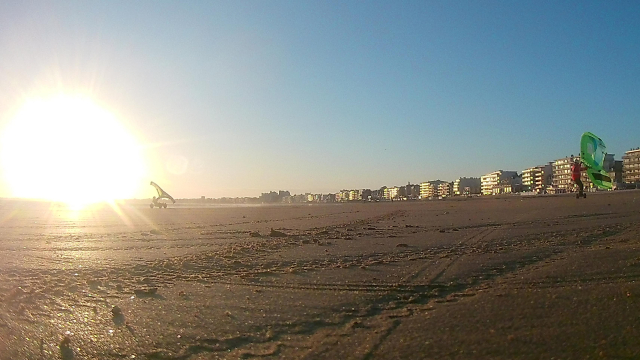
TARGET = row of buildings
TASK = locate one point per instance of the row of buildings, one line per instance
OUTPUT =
(555, 177)
(552, 178)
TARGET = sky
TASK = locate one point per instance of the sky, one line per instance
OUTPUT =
(236, 98)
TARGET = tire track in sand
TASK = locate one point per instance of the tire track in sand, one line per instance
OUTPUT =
(458, 248)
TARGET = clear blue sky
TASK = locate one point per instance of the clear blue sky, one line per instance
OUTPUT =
(235, 98)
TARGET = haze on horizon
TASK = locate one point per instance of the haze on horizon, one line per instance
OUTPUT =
(231, 98)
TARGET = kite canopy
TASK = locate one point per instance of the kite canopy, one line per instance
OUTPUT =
(161, 193)
(592, 151)
(600, 178)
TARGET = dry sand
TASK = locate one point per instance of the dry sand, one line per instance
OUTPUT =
(497, 278)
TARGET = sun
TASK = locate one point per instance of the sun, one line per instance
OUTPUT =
(68, 149)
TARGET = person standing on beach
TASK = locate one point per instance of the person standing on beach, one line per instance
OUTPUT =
(576, 172)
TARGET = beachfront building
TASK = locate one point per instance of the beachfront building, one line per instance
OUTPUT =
(528, 176)
(318, 198)
(308, 197)
(508, 185)
(545, 179)
(426, 190)
(355, 195)
(430, 189)
(445, 189)
(537, 178)
(488, 181)
(342, 195)
(274, 197)
(495, 183)
(562, 175)
(391, 193)
(466, 186)
(631, 166)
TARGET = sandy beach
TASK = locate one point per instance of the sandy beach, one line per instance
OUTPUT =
(484, 278)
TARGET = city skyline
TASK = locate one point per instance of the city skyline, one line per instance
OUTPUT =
(433, 180)
(232, 99)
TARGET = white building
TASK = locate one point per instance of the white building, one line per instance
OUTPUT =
(430, 189)
(445, 189)
(494, 183)
(537, 178)
(391, 193)
(562, 174)
(342, 195)
(631, 166)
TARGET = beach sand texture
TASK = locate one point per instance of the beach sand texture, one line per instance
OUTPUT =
(483, 278)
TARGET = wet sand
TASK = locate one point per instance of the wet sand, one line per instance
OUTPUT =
(491, 278)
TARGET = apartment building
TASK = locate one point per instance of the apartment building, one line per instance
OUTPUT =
(545, 178)
(496, 182)
(342, 195)
(528, 177)
(391, 193)
(445, 189)
(537, 178)
(466, 186)
(427, 190)
(430, 189)
(631, 166)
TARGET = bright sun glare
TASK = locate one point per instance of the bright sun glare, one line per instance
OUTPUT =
(68, 149)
